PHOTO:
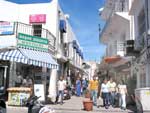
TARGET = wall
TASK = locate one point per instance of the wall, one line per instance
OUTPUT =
(21, 12)
(8, 11)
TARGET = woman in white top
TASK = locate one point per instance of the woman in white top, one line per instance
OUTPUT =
(122, 89)
(105, 93)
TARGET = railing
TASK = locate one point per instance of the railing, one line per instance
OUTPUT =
(122, 6)
(44, 33)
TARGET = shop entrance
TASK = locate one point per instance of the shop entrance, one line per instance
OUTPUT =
(3, 73)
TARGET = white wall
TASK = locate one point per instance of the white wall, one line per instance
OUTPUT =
(8, 11)
(20, 12)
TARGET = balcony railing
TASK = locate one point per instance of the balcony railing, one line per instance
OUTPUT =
(44, 33)
(121, 6)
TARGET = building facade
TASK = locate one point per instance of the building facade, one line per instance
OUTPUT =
(115, 35)
(41, 43)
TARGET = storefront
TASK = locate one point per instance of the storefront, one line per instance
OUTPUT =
(29, 65)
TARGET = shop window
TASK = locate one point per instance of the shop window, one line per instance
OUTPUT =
(1, 76)
(37, 30)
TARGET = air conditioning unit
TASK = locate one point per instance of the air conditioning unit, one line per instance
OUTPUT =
(130, 48)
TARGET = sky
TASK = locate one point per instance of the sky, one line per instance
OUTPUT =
(84, 19)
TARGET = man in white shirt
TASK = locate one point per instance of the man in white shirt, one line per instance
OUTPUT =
(112, 91)
(61, 86)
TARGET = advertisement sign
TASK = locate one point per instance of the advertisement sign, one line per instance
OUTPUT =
(6, 28)
(33, 42)
(39, 91)
(14, 99)
(37, 18)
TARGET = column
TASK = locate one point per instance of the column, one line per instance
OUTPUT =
(147, 75)
(52, 85)
(12, 75)
(138, 77)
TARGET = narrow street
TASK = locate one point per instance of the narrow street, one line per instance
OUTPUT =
(74, 105)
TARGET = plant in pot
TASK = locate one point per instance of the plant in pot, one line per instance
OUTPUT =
(87, 102)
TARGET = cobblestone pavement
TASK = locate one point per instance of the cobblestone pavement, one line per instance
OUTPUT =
(74, 105)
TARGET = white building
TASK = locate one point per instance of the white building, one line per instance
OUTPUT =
(115, 34)
(46, 21)
(140, 10)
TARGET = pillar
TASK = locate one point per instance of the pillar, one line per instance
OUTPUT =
(52, 85)
(138, 77)
(148, 75)
(12, 75)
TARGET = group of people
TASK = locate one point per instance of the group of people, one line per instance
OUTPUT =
(109, 90)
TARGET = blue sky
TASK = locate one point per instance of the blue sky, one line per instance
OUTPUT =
(84, 20)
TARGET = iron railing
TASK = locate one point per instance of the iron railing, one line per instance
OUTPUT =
(44, 33)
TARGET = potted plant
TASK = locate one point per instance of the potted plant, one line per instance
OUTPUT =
(87, 102)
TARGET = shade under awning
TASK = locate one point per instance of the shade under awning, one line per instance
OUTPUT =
(31, 57)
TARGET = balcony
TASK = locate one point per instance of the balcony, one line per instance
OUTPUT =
(30, 30)
(121, 6)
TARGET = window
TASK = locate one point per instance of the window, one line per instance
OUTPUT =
(141, 22)
(37, 30)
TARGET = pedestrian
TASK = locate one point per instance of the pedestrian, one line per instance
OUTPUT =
(84, 85)
(105, 93)
(122, 89)
(112, 91)
(93, 87)
(78, 87)
(19, 80)
(61, 86)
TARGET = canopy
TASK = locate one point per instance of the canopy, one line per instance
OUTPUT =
(31, 57)
(112, 59)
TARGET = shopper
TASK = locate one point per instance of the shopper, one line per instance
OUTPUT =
(93, 87)
(112, 91)
(61, 86)
(105, 93)
(122, 88)
(78, 87)
(84, 85)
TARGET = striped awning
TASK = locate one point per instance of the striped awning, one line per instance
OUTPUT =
(31, 57)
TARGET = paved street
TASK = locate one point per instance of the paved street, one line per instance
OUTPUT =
(74, 105)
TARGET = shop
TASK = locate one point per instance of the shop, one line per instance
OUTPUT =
(27, 66)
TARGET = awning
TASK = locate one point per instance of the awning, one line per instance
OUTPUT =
(31, 57)
(112, 59)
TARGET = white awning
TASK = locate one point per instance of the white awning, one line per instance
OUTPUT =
(31, 57)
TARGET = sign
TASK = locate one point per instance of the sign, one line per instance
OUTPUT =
(33, 42)
(37, 18)
(6, 28)
(39, 91)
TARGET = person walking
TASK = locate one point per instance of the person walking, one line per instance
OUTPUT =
(61, 87)
(105, 93)
(112, 91)
(84, 85)
(78, 87)
(93, 87)
(122, 89)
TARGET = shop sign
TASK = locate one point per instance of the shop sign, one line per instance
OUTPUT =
(37, 18)
(33, 42)
(6, 28)
(39, 91)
